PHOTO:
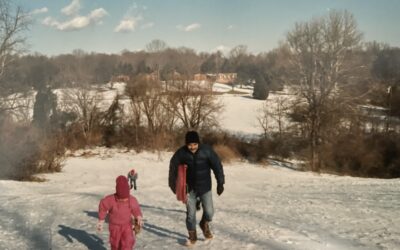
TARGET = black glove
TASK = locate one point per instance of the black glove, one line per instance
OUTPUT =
(173, 189)
(220, 189)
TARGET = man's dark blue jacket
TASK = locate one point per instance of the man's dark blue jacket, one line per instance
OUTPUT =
(200, 164)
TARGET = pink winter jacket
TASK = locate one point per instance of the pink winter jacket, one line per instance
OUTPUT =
(119, 212)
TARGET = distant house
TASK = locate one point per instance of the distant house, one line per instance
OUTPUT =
(120, 78)
(205, 77)
(226, 78)
(153, 76)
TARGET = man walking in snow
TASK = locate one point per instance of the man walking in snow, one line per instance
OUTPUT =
(200, 159)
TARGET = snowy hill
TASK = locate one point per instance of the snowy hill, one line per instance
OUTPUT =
(263, 207)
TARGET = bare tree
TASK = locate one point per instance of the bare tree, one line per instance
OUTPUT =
(238, 51)
(85, 104)
(195, 107)
(238, 57)
(319, 49)
(264, 119)
(156, 45)
(148, 105)
(13, 23)
(273, 114)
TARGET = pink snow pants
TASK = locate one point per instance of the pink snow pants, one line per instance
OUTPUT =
(121, 237)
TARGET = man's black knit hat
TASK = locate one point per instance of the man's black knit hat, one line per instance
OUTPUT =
(192, 137)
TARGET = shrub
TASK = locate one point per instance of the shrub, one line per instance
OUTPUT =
(363, 155)
(32, 152)
(226, 154)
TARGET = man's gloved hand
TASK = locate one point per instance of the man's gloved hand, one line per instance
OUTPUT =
(173, 190)
(220, 189)
(99, 225)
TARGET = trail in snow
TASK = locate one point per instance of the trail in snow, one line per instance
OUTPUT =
(263, 207)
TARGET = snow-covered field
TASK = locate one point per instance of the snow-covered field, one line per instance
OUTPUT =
(263, 206)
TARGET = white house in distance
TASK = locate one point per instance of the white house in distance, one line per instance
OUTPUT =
(226, 78)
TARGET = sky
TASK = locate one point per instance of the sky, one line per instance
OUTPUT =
(106, 26)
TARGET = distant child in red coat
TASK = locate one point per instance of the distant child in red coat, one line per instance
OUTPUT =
(122, 209)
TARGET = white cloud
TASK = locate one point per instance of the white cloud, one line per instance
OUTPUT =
(97, 14)
(72, 9)
(147, 25)
(189, 27)
(230, 27)
(132, 19)
(49, 21)
(78, 22)
(127, 24)
(39, 11)
(75, 23)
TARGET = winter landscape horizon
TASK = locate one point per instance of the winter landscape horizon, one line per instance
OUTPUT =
(299, 99)
(264, 206)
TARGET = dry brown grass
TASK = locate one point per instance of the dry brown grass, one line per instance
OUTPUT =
(225, 153)
(33, 178)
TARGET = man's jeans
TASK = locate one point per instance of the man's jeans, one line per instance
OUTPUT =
(208, 209)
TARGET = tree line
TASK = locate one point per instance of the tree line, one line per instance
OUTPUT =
(38, 71)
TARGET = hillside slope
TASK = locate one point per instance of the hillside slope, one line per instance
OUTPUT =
(263, 207)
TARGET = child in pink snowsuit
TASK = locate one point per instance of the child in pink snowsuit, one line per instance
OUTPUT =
(121, 208)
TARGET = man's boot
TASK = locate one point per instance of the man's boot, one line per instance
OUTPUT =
(192, 237)
(205, 227)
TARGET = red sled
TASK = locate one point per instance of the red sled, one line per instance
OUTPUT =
(181, 193)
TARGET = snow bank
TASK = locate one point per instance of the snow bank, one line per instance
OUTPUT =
(262, 207)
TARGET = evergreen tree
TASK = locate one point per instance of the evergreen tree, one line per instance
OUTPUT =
(261, 85)
(44, 108)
